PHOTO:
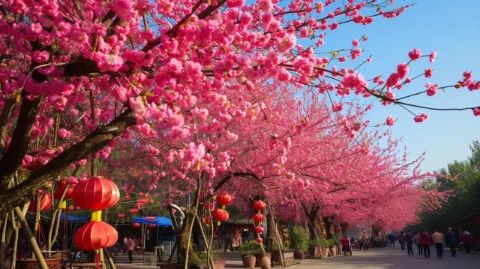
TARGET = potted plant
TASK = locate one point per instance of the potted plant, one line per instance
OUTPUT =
(248, 250)
(323, 244)
(299, 242)
(332, 246)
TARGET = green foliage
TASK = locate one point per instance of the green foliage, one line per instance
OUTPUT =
(299, 238)
(332, 242)
(464, 190)
(320, 242)
(250, 248)
(336, 238)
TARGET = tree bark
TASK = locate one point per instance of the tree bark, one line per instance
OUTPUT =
(92, 143)
(17, 149)
(4, 117)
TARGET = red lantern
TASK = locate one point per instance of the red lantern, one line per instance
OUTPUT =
(133, 211)
(207, 220)
(61, 188)
(150, 219)
(45, 202)
(258, 217)
(259, 240)
(122, 215)
(95, 235)
(224, 199)
(152, 226)
(136, 225)
(259, 205)
(96, 193)
(209, 206)
(259, 229)
(221, 214)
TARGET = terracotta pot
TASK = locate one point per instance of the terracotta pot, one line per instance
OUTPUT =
(249, 261)
(33, 264)
(219, 264)
(265, 262)
(324, 252)
(298, 254)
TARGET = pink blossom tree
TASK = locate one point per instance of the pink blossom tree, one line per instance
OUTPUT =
(79, 79)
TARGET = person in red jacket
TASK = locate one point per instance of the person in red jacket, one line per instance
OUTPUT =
(425, 242)
(346, 245)
(467, 240)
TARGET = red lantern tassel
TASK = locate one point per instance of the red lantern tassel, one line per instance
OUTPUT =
(97, 259)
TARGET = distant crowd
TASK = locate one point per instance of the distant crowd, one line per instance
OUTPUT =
(424, 240)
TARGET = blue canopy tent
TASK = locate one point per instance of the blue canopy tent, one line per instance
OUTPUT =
(159, 221)
(73, 218)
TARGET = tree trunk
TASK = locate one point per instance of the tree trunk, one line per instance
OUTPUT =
(328, 226)
(311, 214)
(270, 242)
(185, 249)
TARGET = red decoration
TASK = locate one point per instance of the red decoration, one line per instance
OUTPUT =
(207, 220)
(209, 206)
(95, 235)
(152, 226)
(259, 240)
(258, 217)
(96, 193)
(221, 214)
(45, 202)
(259, 205)
(259, 229)
(136, 225)
(224, 199)
(133, 211)
(150, 218)
(71, 207)
(122, 215)
(72, 182)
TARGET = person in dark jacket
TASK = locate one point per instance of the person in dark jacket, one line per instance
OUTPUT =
(425, 242)
(409, 241)
(451, 241)
(401, 240)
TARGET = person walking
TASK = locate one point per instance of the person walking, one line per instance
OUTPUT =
(346, 245)
(401, 240)
(467, 241)
(451, 240)
(425, 242)
(131, 245)
(391, 239)
(409, 241)
(416, 239)
(363, 241)
(438, 241)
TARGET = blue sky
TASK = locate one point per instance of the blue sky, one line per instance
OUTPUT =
(453, 30)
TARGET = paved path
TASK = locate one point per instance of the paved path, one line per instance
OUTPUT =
(392, 258)
(377, 258)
